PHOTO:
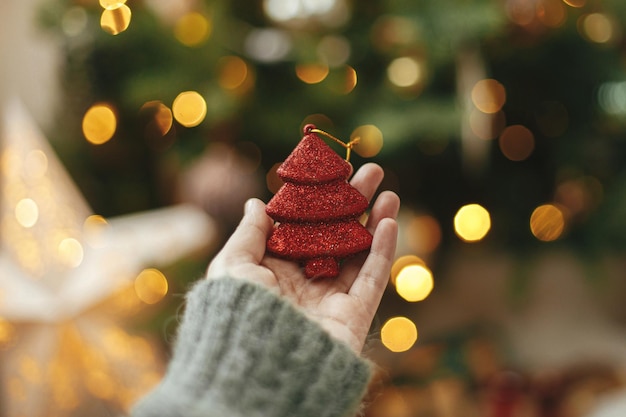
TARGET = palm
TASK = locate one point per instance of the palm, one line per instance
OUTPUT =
(344, 306)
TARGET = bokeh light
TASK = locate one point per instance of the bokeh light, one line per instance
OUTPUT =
(414, 282)
(406, 72)
(488, 95)
(402, 262)
(232, 72)
(312, 73)
(27, 212)
(551, 13)
(70, 252)
(423, 234)
(472, 222)
(115, 19)
(370, 140)
(189, 108)
(99, 124)
(7, 333)
(393, 32)
(111, 4)
(192, 29)
(547, 222)
(597, 27)
(267, 44)
(160, 118)
(334, 50)
(516, 142)
(151, 286)
(95, 228)
(398, 334)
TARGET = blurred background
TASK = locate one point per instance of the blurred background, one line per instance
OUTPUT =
(133, 131)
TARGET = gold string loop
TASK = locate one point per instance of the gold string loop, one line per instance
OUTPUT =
(348, 145)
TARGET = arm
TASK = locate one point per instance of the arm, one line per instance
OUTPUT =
(258, 338)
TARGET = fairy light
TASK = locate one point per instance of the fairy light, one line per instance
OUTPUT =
(552, 13)
(334, 50)
(472, 222)
(597, 27)
(488, 96)
(189, 108)
(99, 124)
(312, 73)
(405, 72)
(398, 334)
(70, 252)
(423, 234)
(414, 282)
(575, 3)
(111, 4)
(547, 222)
(516, 142)
(95, 228)
(232, 73)
(116, 18)
(486, 126)
(151, 286)
(27, 212)
(192, 29)
(268, 44)
(370, 140)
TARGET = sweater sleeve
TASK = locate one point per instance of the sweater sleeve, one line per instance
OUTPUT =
(243, 351)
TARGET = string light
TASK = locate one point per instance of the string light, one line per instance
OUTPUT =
(99, 124)
(189, 108)
(115, 19)
(597, 27)
(398, 334)
(151, 286)
(233, 72)
(414, 282)
(516, 142)
(192, 29)
(488, 96)
(472, 222)
(312, 73)
(547, 222)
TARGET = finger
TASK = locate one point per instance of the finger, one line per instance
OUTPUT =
(386, 205)
(367, 179)
(373, 277)
(247, 243)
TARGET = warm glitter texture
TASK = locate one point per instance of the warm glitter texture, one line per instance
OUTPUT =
(318, 209)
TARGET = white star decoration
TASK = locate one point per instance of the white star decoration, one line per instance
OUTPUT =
(67, 283)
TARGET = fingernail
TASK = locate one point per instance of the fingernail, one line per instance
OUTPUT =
(248, 206)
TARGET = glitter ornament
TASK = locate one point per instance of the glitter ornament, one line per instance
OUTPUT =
(317, 210)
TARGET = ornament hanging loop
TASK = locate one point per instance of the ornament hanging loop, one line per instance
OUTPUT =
(348, 146)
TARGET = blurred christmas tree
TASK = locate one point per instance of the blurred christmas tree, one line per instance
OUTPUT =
(511, 104)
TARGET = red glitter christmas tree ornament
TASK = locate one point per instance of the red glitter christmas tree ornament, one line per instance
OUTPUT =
(317, 210)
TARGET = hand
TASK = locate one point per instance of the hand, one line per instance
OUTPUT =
(343, 306)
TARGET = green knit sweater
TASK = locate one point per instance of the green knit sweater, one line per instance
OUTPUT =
(243, 351)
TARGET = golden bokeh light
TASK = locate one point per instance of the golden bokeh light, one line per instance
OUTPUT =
(189, 108)
(160, 118)
(423, 234)
(36, 164)
(405, 72)
(151, 286)
(115, 20)
(488, 96)
(402, 262)
(192, 29)
(370, 140)
(99, 124)
(597, 27)
(233, 72)
(414, 282)
(26, 212)
(111, 4)
(472, 222)
(398, 334)
(312, 73)
(70, 252)
(547, 222)
(95, 228)
(350, 80)
(516, 142)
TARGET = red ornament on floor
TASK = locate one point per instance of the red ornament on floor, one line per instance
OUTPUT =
(317, 209)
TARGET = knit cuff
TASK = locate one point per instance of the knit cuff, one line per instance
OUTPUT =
(243, 351)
